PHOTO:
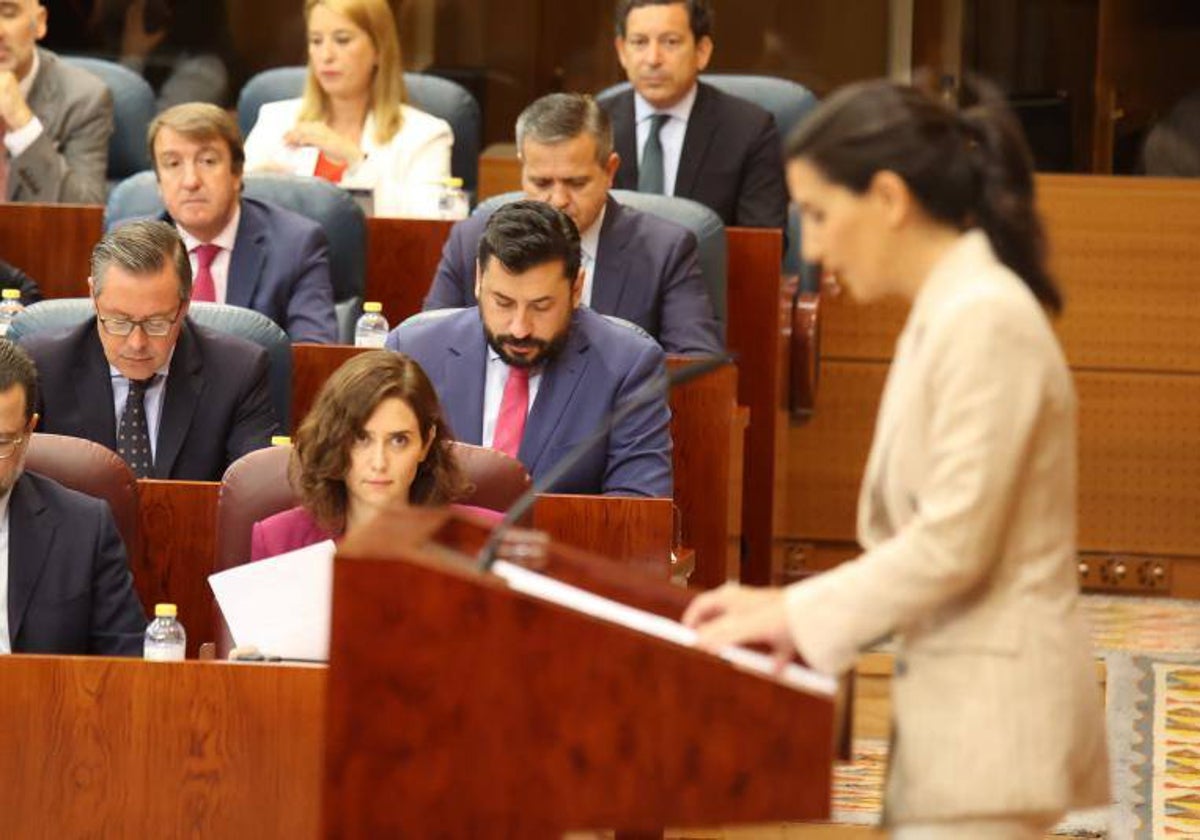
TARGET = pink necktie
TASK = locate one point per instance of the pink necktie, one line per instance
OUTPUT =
(514, 406)
(203, 286)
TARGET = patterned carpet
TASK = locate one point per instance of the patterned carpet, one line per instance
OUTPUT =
(1151, 647)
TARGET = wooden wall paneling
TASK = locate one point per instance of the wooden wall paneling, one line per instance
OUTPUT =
(179, 545)
(312, 364)
(756, 333)
(637, 532)
(95, 747)
(402, 257)
(706, 431)
(52, 243)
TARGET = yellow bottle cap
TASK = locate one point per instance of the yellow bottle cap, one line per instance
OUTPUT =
(281, 440)
(453, 182)
(372, 306)
(11, 294)
(164, 611)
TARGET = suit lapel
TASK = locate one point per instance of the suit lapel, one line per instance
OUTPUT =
(625, 141)
(559, 381)
(45, 100)
(93, 391)
(31, 528)
(466, 364)
(612, 262)
(185, 383)
(248, 260)
(701, 129)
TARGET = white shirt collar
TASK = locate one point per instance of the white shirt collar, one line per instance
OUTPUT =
(589, 240)
(26, 84)
(162, 371)
(224, 239)
(681, 110)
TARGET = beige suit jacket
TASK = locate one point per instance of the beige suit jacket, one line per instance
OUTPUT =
(967, 515)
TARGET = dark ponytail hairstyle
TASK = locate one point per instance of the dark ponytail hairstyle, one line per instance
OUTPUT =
(967, 167)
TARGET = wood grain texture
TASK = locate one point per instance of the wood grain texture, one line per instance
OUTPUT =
(499, 170)
(312, 364)
(708, 435)
(636, 532)
(757, 330)
(402, 257)
(52, 243)
(96, 747)
(179, 538)
(429, 731)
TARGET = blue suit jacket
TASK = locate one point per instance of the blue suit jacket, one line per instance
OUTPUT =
(280, 267)
(601, 365)
(646, 272)
(732, 157)
(70, 590)
(217, 406)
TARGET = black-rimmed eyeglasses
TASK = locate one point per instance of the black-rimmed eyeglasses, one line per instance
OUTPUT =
(156, 326)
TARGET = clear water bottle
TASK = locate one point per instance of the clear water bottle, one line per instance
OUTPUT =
(452, 200)
(372, 328)
(166, 640)
(10, 305)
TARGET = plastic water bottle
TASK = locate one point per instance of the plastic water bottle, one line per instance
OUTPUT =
(166, 640)
(452, 200)
(10, 305)
(372, 328)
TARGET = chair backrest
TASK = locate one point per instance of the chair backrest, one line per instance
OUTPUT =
(699, 219)
(256, 486)
(93, 469)
(133, 109)
(441, 97)
(234, 320)
(316, 199)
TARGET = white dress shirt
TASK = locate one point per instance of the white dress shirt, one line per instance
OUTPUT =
(493, 394)
(153, 400)
(589, 244)
(21, 139)
(220, 264)
(5, 641)
(670, 135)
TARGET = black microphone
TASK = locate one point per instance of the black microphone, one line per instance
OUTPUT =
(653, 389)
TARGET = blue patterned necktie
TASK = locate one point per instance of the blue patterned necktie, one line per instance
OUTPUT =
(133, 436)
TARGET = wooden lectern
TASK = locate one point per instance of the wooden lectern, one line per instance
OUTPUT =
(458, 707)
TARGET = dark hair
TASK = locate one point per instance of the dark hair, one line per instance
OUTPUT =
(17, 368)
(559, 117)
(200, 122)
(142, 247)
(968, 167)
(321, 453)
(700, 14)
(527, 233)
(1172, 148)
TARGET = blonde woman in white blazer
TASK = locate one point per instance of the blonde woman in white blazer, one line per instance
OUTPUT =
(351, 126)
(967, 510)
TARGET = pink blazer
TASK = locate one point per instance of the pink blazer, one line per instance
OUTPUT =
(295, 528)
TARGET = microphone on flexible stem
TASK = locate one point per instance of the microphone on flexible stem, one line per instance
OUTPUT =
(653, 389)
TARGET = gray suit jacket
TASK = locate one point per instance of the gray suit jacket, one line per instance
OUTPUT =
(68, 162)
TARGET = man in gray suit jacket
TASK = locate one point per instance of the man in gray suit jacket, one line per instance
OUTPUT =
(56, 119)
(636, 266)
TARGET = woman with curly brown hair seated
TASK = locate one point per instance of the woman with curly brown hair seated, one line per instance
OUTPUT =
(375, 439)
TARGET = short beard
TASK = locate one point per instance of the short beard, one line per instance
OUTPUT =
(548, 350)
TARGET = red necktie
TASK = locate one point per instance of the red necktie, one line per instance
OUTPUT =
(203, 286)
(514, 406)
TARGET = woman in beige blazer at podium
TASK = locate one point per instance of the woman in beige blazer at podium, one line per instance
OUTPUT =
(967, 509)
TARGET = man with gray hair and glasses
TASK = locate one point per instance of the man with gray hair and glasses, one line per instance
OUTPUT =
(636, 266)
(173, 398)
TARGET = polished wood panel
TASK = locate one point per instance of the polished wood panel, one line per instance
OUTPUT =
(499, 170)
(429, 732)
(759, 318)
(708, 434)
(402, 257)
(95, 747)
(179, 538)
(637, 532)
(52, 243)
(1126, 252)
(312, 364)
